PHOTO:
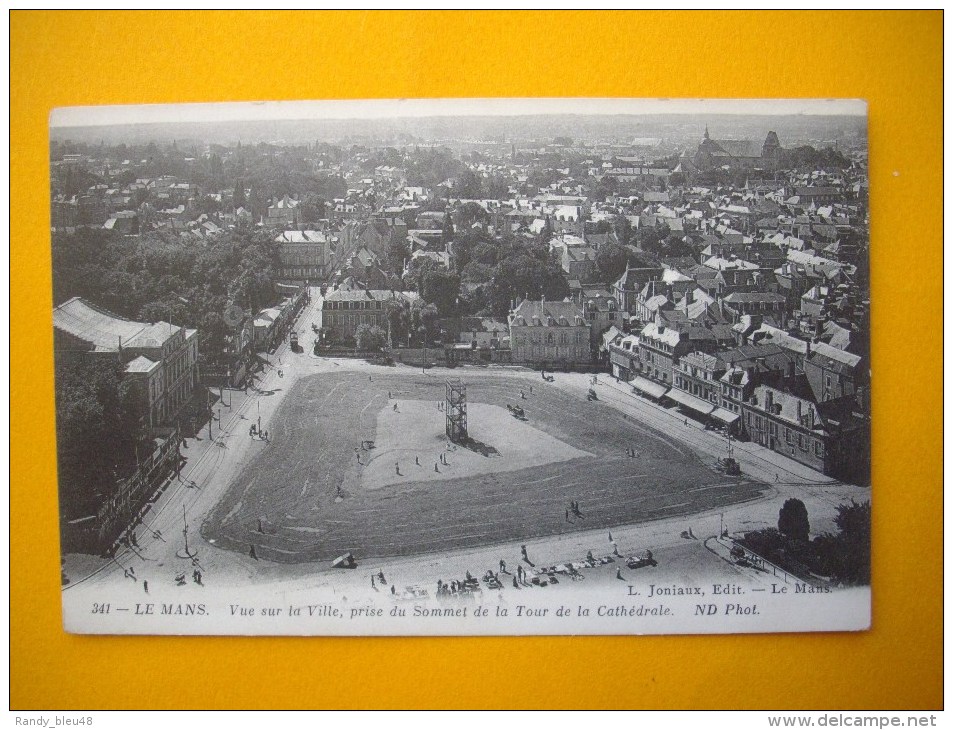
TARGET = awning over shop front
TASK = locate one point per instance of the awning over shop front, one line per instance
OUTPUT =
(725, 416)
(648, 387)
(690, 401)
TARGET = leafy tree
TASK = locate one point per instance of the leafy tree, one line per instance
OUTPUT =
(793, 522)
(612, 259)
(622, 229)
(447, 235)
(846, 556)
(468, 185)
(428, 322)
(398, 320)
(468, 214)
(370, 337)
(311, 209)
(441, 288)
(398, 253)
(546, 233)
(238, 197)
(98, 429)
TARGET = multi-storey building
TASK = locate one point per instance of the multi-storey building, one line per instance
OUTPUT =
(549, 334)
(304, 256)
(161, 358)
(832, 437)
(344, 311)
(833, 373)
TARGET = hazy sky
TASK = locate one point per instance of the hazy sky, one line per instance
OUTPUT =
(80, 116)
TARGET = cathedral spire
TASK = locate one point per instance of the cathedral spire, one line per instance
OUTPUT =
(706, 132)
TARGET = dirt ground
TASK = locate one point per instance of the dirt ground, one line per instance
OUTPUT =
(305, 497)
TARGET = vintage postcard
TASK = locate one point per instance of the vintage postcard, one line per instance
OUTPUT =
(463, 366)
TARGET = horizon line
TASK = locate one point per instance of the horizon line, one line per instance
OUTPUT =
(385, 109)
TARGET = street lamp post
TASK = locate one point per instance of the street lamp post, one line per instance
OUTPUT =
(185, 552)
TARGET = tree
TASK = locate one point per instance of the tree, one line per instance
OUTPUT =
(793, 522)
(398, 320)
(467, 186)
(98, 428)
(428, 322)
(370, 337)
(447, 236)
(238, 197)
(612, 259)
(468, 214)
(846, 556)
(311, 209)
(441, 288)
(398, 252)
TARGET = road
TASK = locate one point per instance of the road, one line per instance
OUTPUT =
(212, 466)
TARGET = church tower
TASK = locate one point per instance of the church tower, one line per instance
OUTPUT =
(771, 149)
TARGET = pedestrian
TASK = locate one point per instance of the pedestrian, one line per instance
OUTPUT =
(686, 421)
(252, 553)
(777, 477)
(515, 584)
(395, 407)
(133, 540)
(388, 395)
(567, 515)
(417, 460)
(393, 590)
(373, 584)
(618, 573)
(435, 467)
(397, 468)
(610, 537)
(380, 576)
(145, 586)
(523, 551)
(503, 566)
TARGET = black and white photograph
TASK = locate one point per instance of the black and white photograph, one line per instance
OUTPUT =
(463, 366)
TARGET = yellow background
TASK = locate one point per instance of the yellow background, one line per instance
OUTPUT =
(893, 61)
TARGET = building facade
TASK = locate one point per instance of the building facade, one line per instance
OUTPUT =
(549, 334)
(161, 358)
(343, 312)
(304, 257)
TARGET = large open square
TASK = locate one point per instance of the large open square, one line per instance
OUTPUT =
(361, 463)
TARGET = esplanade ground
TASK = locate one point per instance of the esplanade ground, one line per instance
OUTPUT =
(360, 463)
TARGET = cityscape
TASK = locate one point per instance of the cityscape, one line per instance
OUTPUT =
(399, 370)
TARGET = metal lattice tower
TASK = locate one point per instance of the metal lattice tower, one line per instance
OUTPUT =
(456, 409)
